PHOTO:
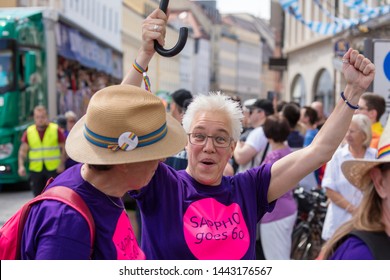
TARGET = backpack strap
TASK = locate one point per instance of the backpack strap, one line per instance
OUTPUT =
(378, 242)
(264, 153)
(65, 195)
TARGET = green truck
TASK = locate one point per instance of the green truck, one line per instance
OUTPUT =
(32, 41)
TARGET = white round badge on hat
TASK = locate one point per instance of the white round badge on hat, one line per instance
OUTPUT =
(127, 141)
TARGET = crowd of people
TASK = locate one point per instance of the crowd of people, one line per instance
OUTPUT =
(204, 188)
(76, 85)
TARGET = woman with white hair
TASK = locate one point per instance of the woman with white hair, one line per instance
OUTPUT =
(343, 196)
(71, 119)
(198, 213)
(367, 235)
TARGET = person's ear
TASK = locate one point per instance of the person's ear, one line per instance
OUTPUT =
(372, 114)
(377, 179)
(173, 106)
(233, 147)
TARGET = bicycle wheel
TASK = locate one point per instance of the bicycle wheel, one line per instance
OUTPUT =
(312, 246)
(300, 243)
(316, 245)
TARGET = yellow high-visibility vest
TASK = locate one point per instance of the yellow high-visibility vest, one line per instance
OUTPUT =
(46, 151)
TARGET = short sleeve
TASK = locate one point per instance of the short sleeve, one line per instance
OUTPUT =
(55, 231)
(353, 248)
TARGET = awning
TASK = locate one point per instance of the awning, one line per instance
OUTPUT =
(73, 45)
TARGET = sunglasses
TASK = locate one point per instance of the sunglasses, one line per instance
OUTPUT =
(258, 110)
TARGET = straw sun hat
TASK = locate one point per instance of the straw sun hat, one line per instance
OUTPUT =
(357, 171)
(124, 124)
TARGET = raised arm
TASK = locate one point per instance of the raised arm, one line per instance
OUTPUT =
(287, 172)
(153, 28)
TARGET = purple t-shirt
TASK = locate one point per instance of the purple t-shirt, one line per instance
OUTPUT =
(286, 205)
(183, 219)
(56, 231)
(353, 248)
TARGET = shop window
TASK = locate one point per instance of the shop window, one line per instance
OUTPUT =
(298, 90)
(323, 91)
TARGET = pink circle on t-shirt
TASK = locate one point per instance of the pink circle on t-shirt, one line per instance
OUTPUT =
(214, 231)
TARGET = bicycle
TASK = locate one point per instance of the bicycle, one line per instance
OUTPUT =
(306, 237)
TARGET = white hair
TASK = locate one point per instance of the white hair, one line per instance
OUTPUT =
(364, 124)
(70, 115)
(215, 102)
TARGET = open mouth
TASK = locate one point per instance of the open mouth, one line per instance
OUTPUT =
(208, 162)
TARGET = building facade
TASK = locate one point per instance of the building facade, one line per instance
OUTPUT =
(220, 55)
(314, 50)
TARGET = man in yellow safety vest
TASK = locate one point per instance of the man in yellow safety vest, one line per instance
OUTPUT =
(44, 144)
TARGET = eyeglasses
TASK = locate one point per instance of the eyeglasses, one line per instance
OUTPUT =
(200, 139)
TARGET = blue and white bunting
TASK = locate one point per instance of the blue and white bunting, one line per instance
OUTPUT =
(336, 25)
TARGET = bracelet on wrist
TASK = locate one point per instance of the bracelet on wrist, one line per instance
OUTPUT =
(142, 71)
(347, 102)
(139, 68)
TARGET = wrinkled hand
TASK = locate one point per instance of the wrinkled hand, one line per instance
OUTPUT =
(358, 70)
(153, 28)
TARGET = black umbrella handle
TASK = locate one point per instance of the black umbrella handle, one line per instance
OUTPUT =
(183, 35)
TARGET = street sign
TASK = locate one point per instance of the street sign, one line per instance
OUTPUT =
(378, 50)
(382, 75)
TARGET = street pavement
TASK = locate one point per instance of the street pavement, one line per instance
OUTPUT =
(11, 201)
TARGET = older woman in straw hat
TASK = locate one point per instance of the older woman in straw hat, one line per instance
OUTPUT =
(200, 214)
(120, 141)
(371, 222)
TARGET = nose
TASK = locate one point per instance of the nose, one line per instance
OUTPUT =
(209, 145)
